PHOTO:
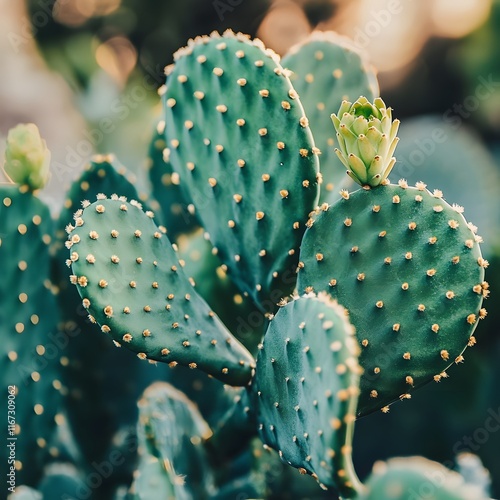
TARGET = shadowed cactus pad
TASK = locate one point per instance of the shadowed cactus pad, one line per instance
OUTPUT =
(417, 478)
(306, 388)
(171, 435)
(236, 310)
(328, 69)
(408, 268)
(240, 143)
(133, 285)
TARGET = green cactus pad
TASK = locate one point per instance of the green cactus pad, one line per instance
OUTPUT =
(134, 286)
(29, 335)
(172, 430)
(114, 401)
(178, 214)
(306, 387)
(240, 143)
(328, 69)
(416, 477)
(408, 268)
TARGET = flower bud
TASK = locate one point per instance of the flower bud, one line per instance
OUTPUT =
(367, 139)
(27, 158)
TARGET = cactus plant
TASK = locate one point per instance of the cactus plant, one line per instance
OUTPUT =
(412, 273)
(390, 279)
(169, 457)
(403, 262)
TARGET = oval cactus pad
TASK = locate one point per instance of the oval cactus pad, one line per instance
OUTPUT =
(240, 144)
(408, 268)
(306, 387)
(132, 282)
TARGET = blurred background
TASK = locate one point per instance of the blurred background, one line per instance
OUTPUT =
(87, 71)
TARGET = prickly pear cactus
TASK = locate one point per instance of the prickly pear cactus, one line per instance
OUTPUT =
(133, 285)
(306, 389)
(239, 141)
(409, 269)
(172, 431)
(177, 214)
(328, 69)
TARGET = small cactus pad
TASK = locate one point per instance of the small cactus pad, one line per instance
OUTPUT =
(172, 430)
(240, 143)
(131, 281)
(306, 388)
(328, 69)
(411, 478)
(178, 214)
(408, 268)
